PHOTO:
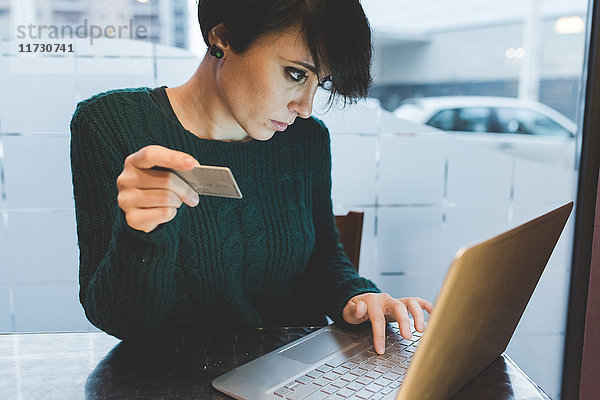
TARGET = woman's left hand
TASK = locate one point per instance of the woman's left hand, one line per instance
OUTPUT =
(382, 308)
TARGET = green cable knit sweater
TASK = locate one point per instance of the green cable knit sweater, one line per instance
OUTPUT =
(270, 259)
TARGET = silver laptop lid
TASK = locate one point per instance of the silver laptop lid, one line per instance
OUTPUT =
(485, 292)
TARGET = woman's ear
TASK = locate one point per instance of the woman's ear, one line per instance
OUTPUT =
(218, 37)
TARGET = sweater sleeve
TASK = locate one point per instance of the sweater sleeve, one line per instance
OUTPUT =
(126, 276)
(329, 264)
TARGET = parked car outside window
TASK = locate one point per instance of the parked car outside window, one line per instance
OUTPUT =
(522, 128)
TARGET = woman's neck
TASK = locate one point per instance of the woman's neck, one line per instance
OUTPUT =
(199, 108)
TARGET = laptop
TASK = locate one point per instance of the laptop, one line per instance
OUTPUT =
(482, 299)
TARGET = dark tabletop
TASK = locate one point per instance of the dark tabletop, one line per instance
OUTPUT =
(98, 366)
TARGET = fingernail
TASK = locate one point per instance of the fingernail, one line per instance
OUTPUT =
(195, 200)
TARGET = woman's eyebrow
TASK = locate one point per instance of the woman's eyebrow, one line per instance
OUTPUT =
(310, 67)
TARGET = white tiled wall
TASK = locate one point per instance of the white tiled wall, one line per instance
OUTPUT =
(534, 182)
(410, 239)
(3, 250)
(5, 322)
(42, 247)
(48, 307)
(365, 122)
(477, 174)
(175, 71)
(412, 169)
(424, 194)
(37, 171)
(91, 84)
(33, 64)
(37, 103)
(353, 169)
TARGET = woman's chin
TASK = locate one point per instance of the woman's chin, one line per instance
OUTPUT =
(263, 135)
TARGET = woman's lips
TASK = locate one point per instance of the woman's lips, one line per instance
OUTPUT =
(279, 126)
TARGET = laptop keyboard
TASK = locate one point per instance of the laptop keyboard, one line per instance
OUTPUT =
(366, 375)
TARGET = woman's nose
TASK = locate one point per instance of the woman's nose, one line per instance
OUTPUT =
(304, 103)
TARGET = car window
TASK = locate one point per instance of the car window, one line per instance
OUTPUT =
(472, 119)
(443, 120)
(529, 122)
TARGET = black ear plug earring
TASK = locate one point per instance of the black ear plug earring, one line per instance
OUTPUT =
(216, 52)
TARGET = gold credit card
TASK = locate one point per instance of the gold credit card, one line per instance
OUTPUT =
(209, 180)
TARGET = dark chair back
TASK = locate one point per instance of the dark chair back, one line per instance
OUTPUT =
(350, 227)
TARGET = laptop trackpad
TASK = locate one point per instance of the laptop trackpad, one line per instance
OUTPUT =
(318, 346)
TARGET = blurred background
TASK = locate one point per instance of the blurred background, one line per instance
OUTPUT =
(472, 127)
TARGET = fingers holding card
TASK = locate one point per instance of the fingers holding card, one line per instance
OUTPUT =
(211, 181)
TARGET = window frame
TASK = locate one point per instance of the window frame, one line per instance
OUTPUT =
(572, 383)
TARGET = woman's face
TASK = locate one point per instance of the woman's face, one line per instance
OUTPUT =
(270, 84)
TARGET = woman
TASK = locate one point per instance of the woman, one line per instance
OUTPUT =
(147, 262)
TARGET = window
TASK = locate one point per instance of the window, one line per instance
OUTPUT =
(514, 120)
(473, 119)
(443, 120)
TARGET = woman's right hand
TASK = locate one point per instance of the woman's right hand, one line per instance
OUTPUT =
(151, 197)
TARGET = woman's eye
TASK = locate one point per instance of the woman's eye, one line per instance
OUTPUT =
(296, 75)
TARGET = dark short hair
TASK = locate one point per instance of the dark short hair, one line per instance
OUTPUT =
(337, 33)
